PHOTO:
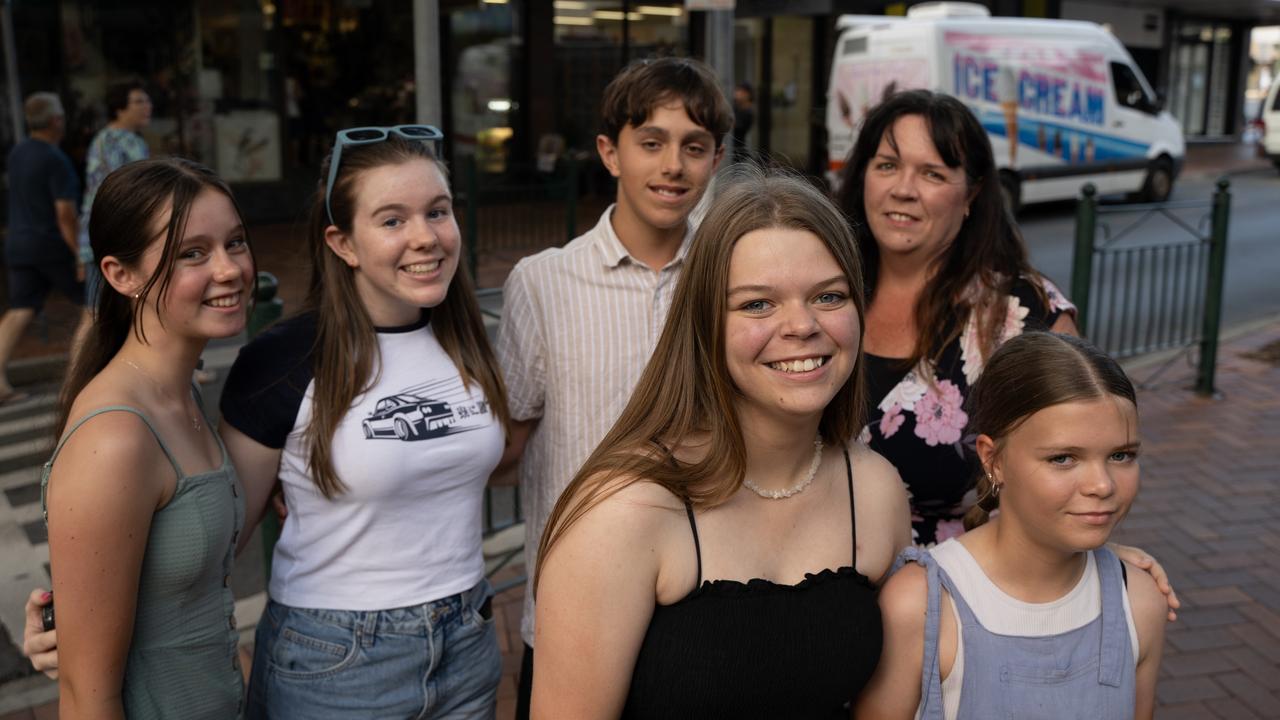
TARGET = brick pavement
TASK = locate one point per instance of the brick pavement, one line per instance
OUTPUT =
(1209, 508)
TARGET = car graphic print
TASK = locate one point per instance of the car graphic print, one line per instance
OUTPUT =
(407, 416)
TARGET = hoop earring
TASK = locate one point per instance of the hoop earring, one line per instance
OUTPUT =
(992, 495)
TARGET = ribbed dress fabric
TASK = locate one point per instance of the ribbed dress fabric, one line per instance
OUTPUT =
(760, 649)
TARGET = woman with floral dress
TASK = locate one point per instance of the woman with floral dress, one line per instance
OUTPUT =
(947, 281)
(115, 146)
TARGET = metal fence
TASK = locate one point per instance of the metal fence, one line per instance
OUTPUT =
(522, 208)
(1136, 298)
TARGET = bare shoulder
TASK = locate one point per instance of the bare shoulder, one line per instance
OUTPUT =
(883, 511)
(108, 452)
(904, 596)
(875, 476)
(112, 439)
(629, 505)
(1150, 607)
(619, 540)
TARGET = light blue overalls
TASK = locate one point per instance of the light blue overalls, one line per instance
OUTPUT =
(1086, 673)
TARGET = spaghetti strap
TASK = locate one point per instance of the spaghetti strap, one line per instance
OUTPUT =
(122, 408)
(697, 546)
(853, 516)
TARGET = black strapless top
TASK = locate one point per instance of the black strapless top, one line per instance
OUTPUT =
(759, 649)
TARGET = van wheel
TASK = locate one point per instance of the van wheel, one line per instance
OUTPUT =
(1011, 192)
(1159, 184)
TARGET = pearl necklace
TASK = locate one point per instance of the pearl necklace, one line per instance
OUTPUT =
(195, 419)
(799, 487)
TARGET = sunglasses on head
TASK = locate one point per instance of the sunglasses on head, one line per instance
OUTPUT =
(354, 137)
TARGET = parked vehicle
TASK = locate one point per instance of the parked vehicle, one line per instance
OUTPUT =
(1270, 118)
(1062, 100)
(409, 417)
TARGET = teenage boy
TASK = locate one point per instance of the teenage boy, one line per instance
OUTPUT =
(580, 321)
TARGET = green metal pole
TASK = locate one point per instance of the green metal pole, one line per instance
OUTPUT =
(1082, 261)
(571, 221)
(1213, 289)
(473, 214)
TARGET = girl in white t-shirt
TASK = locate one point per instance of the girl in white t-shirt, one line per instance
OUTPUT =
(380, 411)
(1028, 614)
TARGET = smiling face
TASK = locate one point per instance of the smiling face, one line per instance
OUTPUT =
(1070, 472)
(792, 331)
(662, 168)
(212, 277)
(404, 241)
(915, 204)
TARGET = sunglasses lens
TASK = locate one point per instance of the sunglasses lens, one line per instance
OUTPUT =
(362, 135)
(418, 131)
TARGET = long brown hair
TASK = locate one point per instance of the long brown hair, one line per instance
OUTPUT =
(122, 225)
(346, 351)
(988, 254)
(1029, 373)
(686, 388)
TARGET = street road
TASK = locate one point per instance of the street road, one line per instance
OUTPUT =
(1253, 249)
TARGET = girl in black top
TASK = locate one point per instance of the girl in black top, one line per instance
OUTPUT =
(717, 554)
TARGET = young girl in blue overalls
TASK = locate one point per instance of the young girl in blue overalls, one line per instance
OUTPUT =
(1029, 615)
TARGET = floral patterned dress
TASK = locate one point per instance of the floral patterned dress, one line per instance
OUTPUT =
(920, 426)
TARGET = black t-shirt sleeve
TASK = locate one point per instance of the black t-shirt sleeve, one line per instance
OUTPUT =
(268, 381)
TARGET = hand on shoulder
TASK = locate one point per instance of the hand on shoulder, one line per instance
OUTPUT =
(1150, 607)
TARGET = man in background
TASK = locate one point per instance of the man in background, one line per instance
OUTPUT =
(41, 252)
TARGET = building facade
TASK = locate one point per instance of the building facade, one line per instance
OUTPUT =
(256, 88)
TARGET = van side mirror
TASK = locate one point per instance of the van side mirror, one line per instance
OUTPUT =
(1160, 100)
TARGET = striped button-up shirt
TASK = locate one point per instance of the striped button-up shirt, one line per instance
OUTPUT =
(579, 323)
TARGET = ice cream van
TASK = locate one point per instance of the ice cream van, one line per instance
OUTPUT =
(1062, 100)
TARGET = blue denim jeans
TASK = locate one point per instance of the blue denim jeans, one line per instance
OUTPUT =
(438, 660)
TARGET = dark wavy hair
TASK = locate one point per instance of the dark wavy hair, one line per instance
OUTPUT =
(117, 97)
(631, 96)
(987, 255)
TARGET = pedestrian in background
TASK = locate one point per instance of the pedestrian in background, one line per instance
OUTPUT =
(119, 143)
(42, 249)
